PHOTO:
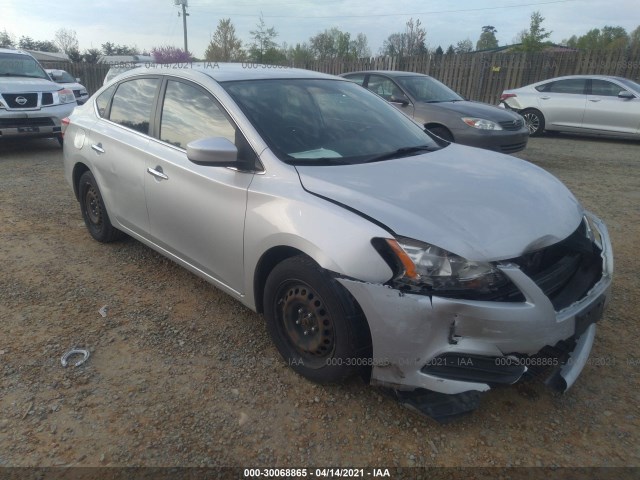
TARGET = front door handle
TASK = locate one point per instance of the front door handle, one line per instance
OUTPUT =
(595, 99)
(545, 98)
(157, 172)
(97, 147)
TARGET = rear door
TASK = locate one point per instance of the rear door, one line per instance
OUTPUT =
(606, 112)
(119, 142)
(197, 212)
(563, 102)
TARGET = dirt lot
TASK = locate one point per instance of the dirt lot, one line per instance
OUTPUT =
(180, 374)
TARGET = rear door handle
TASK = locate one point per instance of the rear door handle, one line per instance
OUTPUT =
(595, 99)
(157, 172)
(545, 98)
(97, 148)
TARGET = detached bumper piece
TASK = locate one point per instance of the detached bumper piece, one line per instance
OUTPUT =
(475, 368)
(441, 407)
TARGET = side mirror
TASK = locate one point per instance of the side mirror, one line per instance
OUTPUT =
(626, 95)
(78, 79)
(399, 98)
(214, 151)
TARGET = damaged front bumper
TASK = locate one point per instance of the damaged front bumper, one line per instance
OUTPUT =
(455, 346)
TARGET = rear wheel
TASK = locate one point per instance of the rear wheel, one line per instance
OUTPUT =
(314, 323)
(535, 122)
(94, 212)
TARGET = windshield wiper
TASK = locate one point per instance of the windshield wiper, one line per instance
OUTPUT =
(402, 152)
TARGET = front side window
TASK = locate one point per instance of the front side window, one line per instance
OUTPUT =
(132, 104)
(428, 90)
(384, 87)
(605, 88)
(188, 114)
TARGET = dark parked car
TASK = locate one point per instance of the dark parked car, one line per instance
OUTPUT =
(445, 113)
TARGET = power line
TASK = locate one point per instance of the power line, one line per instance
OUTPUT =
(395, 14)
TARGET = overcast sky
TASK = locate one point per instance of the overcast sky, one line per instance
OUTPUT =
(149, 23)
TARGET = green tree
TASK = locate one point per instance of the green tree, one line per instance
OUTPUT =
(439, 51)
(91, 55)
(335, 43)
(487, 38)
(108, 48)
(450, 50)
(263, 47)
(300, 55)
(6, 40)
(634, 38)
(534, 39)
(225, 46)
(74, 55)
(464, 46)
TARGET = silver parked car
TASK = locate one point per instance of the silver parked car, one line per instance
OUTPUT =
(64, 78)
(31, 105)
(592, 104)
(432, 269)
(445, 113)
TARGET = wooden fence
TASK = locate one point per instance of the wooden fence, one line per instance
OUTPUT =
(476, 76)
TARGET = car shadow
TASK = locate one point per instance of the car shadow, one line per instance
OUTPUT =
(21, 145)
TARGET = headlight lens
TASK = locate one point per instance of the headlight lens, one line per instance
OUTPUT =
(66, 96)
(424, 268)
(481, 123)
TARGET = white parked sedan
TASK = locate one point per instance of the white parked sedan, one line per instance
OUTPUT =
(432, 269)
(593, 104)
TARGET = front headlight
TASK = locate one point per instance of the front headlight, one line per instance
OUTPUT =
(427, 269)
(481, 123)
(66, 96)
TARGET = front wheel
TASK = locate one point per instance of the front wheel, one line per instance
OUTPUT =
(534, 121)
(442, 132)
(314, 323)
(94, 212)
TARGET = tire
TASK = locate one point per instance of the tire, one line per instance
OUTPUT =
(442, 132)
(60, 140)
(314, 323)
(94, 212)
(534, 121)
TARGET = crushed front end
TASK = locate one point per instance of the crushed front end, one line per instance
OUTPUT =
(542, 321)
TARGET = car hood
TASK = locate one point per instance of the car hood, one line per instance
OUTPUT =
(477, 204)
(25, 85)
(72, 86)
(475, 109)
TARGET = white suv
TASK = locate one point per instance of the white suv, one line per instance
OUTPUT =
(30, 103)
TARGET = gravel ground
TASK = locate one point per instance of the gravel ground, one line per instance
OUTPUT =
(182, 375)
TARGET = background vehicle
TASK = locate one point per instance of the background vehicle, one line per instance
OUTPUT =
(594, 104)
(370, 247)
(445, 113)
(31, 105)
(64, 78)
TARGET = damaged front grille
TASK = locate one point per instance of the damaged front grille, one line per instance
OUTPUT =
(566, 271)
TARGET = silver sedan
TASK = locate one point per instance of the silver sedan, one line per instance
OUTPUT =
(431, 269)
(592, 104)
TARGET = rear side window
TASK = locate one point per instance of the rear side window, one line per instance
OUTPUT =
(102, 102)
(132, 103)
(189, 113)
(574, 86)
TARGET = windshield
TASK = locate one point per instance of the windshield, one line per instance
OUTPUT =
(427, 89)
(60, 76)
(308, 122)
(630, 84)
(16, 65)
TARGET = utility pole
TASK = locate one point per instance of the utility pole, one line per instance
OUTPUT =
(185, 4)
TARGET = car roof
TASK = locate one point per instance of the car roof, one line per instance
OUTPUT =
(15, 52)
(227, 72)
(569, 77)
(390, 73)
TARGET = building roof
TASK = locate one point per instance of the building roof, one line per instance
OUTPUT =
(49, 56)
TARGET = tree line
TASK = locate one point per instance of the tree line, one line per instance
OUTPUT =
(226, 46)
